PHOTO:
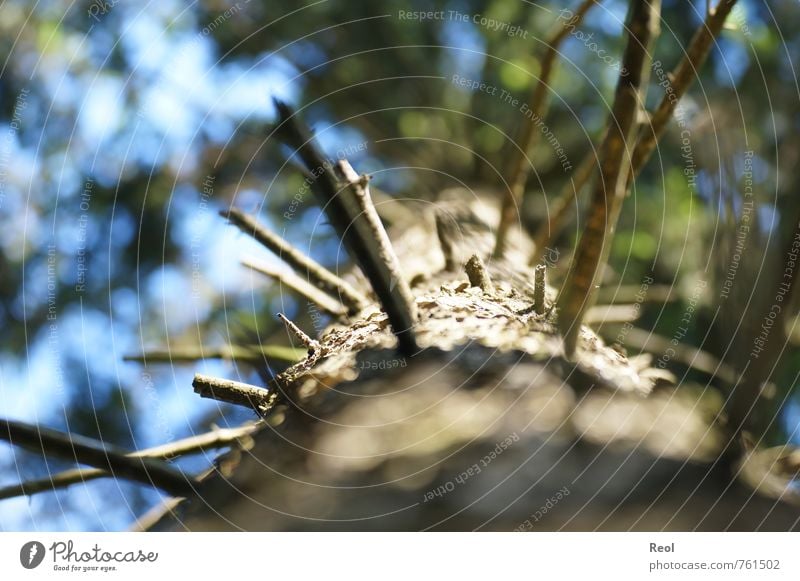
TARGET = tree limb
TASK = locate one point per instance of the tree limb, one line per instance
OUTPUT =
(683, 353)
(611, 186)
(680, 79)
(399, 289)
(218, 438)
(117, 462)
(345, 210)
(557, 218)
(521, 163)
(249, 353)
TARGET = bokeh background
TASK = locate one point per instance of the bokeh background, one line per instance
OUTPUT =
(125, 126)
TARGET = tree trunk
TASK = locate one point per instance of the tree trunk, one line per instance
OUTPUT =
(487, 426)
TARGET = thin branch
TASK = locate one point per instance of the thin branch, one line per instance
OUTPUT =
(311, 345)
(118, 462)
(521, 164)
(399, 294)
(654, 293)
(560, 213)
(233, 392)
(609, 314)
(325, 302)
(218, 438)
(681, 353)
(248, 353)
(303, 264)
(680, 79)
(347, 211)
(478, 275)
(611, 186)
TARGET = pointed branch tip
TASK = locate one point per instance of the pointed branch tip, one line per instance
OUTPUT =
(312, 345)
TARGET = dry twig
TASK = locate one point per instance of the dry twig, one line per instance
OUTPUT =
(303, 264)
(255, 398)
(348, 211)
(521, 163)
(310, 344)
(119, 463)
(245, 353)
(325, 302)
(217, 438)
(679, 81)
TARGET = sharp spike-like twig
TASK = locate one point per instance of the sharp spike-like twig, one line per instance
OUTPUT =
(302, 263)
(312, 345)
(539, 287)
(255, 398)
(83, 450)
(478, 275)
(345, 210)
(610, 188)
(244, 353)
(521, 164)
(217, 438)
(325, 302)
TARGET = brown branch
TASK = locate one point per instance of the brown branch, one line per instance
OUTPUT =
(478, 275)
(303, 264)
(117, 462)
(521, 164)
(349, 214)
(218, 438)
(682, 353)
(680, 79)
(325, 302)
(248, 353)
(233, 392)
(310, 344)
(399, 290)
(558, 216)
(611, 186)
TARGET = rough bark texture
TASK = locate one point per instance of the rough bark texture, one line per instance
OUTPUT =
(486, 427)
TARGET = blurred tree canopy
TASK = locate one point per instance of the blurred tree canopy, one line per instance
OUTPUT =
(125, 126)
